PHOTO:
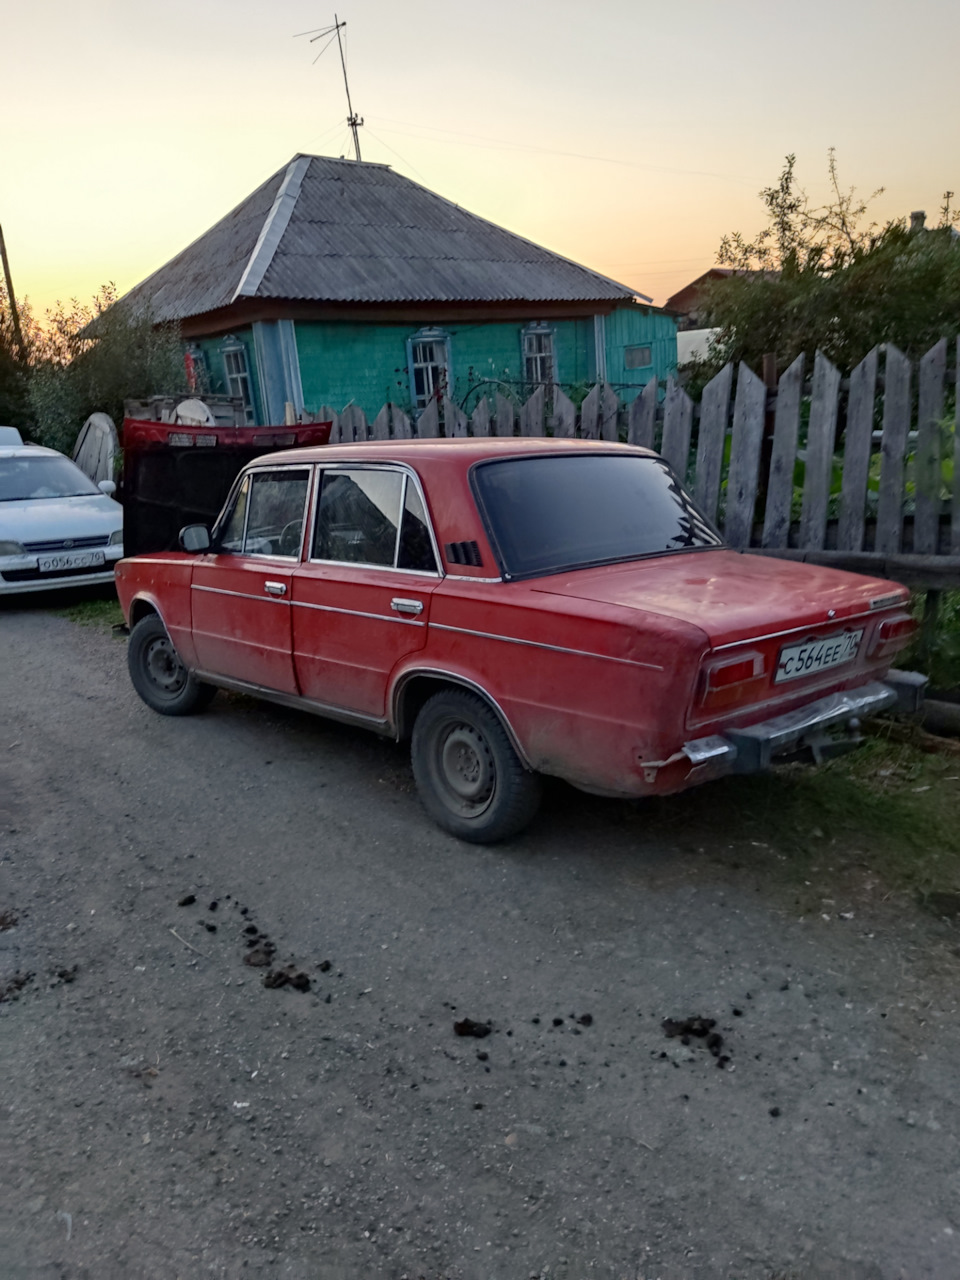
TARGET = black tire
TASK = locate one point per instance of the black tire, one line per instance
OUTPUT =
(158, 675)
(469, 777)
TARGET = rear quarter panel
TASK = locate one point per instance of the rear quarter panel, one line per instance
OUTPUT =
(588, 690)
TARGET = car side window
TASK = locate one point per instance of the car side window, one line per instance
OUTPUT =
(415, 550)
(358, 515)
(267, 518)
(231, 535)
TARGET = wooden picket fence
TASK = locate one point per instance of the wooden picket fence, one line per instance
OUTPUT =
(894, 511)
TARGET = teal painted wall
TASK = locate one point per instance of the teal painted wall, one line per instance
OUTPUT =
(638, 327)
(367, 363)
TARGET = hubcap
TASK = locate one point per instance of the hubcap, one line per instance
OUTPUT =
(164, 667)
(467, 765)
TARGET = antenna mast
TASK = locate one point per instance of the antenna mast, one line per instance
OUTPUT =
(353, 120)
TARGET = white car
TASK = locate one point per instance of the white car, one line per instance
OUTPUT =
(57, 528)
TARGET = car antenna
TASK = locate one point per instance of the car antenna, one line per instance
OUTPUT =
(353, 120)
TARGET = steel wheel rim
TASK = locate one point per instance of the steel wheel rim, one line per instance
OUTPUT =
(466, 767)
(163, 667)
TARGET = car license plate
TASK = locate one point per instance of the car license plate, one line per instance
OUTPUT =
(807, 659)
(70, 560)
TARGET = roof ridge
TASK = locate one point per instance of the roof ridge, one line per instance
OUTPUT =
(275, 224)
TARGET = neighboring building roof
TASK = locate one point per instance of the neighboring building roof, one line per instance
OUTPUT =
(339, 231)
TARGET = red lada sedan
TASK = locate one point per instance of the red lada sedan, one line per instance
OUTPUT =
(515, 608)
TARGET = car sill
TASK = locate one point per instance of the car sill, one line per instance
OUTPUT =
(376, 723)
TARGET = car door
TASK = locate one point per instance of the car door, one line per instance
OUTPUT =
(361, 600)
(240, 592)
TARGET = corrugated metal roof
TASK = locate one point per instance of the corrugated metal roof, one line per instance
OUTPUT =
(325, 230)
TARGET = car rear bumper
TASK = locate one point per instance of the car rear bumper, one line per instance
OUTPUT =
(810, 731)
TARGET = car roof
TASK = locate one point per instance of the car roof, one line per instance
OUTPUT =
(29, 451)
(464, 451)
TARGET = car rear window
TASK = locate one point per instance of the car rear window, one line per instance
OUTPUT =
(45, 477)
(548, 514)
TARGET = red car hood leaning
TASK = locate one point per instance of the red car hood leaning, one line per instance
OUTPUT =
(729, 595)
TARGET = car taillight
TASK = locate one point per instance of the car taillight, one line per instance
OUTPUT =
(726, 682)
(892, 635)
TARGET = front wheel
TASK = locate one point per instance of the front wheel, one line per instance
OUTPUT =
(158, 675)
(470, 779)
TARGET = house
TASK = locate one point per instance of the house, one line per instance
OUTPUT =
(340, 281)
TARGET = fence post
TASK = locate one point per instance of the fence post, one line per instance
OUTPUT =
(783, 457)
(480, 418)
(677, 426)
(565, 415)
(748, 411)
(428, 424)
(926, 522)
(857, 438)
(821, 437)
(505, 415)
(896, 424)
(590, 413)
(642, 417)
(714, 413)
(454, 420)
(531, 415)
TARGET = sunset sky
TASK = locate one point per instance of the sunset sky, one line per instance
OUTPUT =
(628, 136)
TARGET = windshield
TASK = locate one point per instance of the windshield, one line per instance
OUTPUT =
(42, 477)
(570, 511)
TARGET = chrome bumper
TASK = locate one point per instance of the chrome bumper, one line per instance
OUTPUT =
(754, 748)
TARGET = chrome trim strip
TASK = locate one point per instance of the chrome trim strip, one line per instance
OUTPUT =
(792, 631)
(376, 723)
(539, 644)
(355, 613)
(241, 595)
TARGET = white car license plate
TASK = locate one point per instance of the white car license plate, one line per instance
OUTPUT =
(70, 560)
(807, 659)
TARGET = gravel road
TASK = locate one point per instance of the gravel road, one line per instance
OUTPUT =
(165, 1113)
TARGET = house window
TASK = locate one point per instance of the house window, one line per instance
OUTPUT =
(237, 375)
(428, 359)
(538, 361)
(637, 357)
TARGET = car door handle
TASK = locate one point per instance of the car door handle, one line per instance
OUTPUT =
(275, 588)
(399, 605)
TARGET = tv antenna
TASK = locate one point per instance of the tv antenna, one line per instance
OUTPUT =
(353, 120)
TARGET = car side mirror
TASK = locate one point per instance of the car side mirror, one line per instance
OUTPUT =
(195, 538)
(107, 487)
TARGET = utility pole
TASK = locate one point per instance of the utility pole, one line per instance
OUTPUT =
(12, 298)
(353, 120)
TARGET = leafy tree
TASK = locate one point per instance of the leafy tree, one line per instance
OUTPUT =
(821, 277)
(92, 357)
(14, 366)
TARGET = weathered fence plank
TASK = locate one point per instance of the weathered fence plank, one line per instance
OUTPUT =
(454, 420)
(642, 416)
(609, 428)
(428, 424)
(857, 439)
(821, 438)
(402, 429)
(786, 426)
(327, 414)
(926, 523)
(677, 425)
(531, 415)
(480, 418)
(590, 414)
(564, 415)
(353, 424)
(714, 415)
(380, 427)
(748, 412)
(896, 424)
(505, 415)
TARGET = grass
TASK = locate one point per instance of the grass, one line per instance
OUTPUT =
(104, 613)
(885, 814)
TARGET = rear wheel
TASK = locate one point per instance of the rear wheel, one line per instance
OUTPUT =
(470, 779)
(158, 674)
